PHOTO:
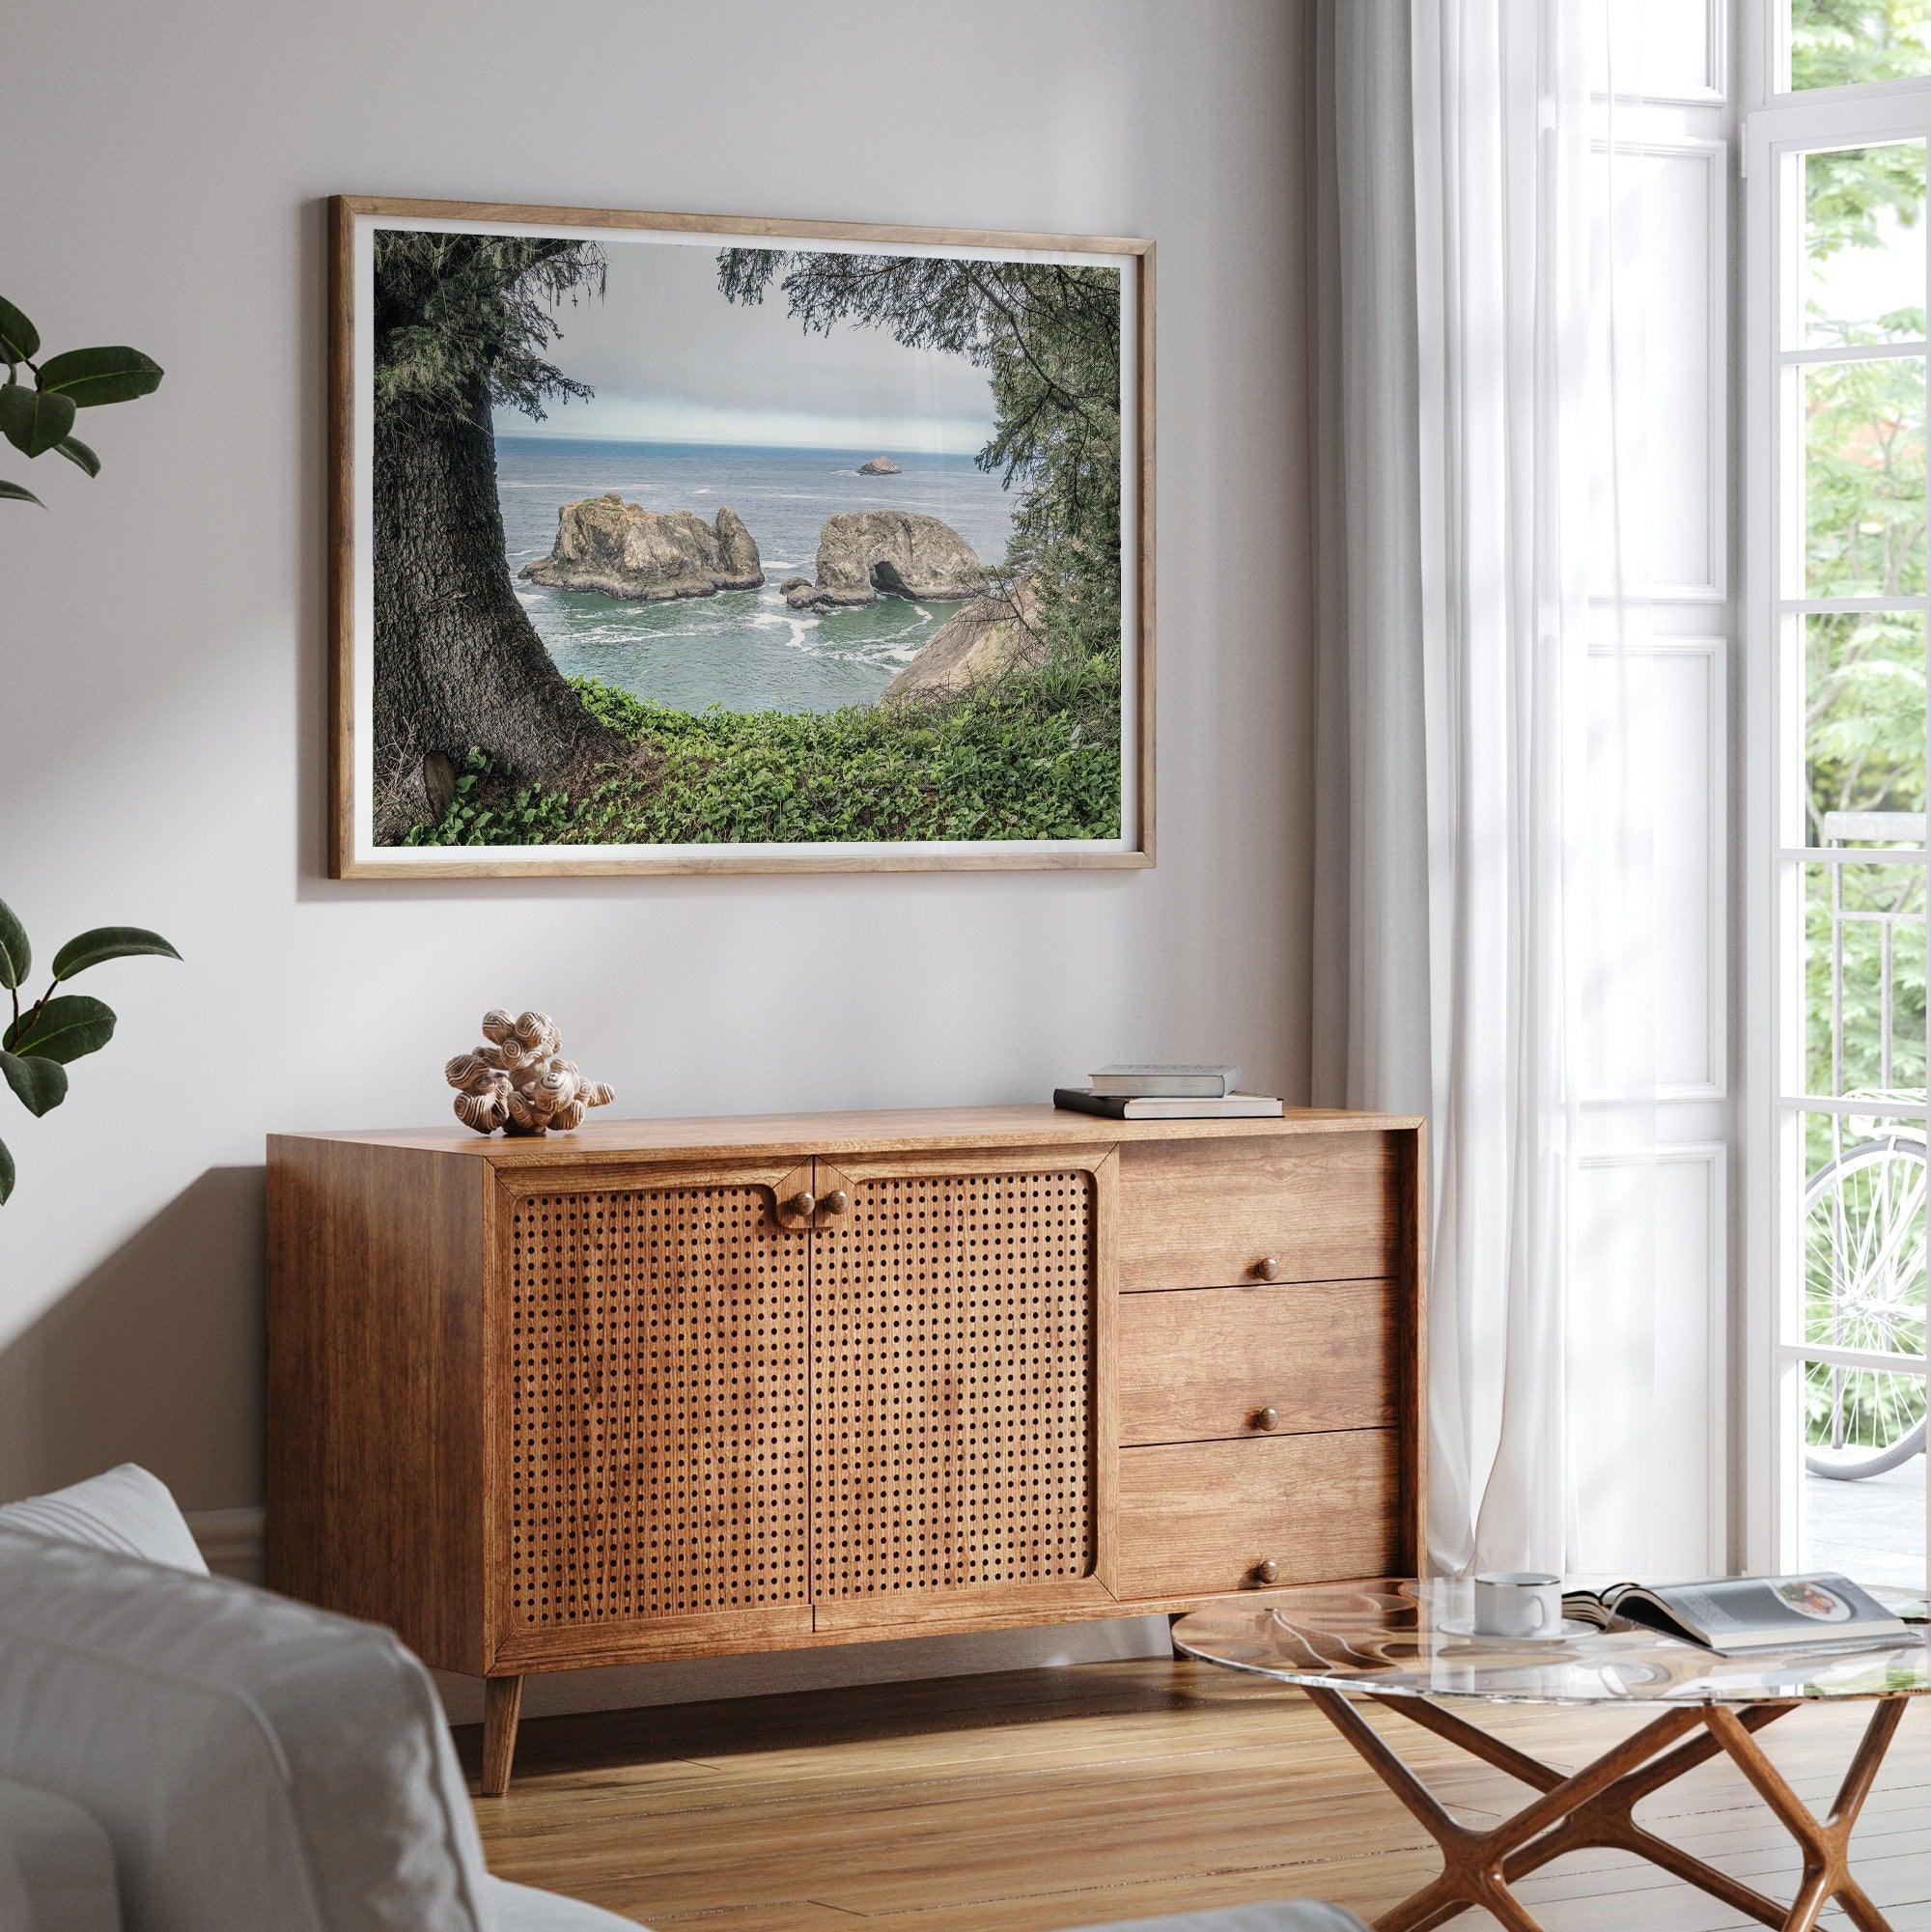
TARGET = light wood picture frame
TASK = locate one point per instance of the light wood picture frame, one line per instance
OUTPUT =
(832, 548)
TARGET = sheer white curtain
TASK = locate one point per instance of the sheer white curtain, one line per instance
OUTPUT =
(1482, 953)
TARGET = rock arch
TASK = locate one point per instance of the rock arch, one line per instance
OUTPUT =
(862, 554)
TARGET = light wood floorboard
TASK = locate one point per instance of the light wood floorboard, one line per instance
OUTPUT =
(1040, 1800)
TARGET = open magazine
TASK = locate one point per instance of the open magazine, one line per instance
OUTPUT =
(1738, 1616)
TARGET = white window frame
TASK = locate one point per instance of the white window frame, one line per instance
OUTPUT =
(1777, 125)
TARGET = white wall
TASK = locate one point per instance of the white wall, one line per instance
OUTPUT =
(162, 710)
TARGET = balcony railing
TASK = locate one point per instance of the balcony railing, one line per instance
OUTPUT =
(1864, 1226)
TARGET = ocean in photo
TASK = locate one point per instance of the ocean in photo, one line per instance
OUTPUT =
(739, 650)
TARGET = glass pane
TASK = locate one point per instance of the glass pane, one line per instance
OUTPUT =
(1863, 478)
(1844, 43)
(1863, 1507)
(1864, 729)
(1864, 981)
(1650, 47)
(1863, 245)
(1861, 1231)
(1863, 1253)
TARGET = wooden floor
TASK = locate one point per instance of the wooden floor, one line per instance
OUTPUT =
(1066, 1798)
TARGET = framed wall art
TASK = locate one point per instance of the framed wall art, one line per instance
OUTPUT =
(678, 544)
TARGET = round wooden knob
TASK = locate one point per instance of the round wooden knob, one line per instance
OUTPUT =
(1266, 1570)
(836, 1202)
(802, 1205)
(1267, 1268)
(1267, 1418)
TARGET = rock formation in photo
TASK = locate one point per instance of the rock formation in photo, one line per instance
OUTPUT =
(622, 550)
(990, 636)
(862, 554)
(880, 465)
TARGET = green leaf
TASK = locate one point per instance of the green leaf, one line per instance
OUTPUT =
(108, 943)
(17, 956)
(5, 1174)
(77, 452)
(90, 377)
(62, 1029)
(20, 340)
(12, 493)
(40, 1083)
(34, 420)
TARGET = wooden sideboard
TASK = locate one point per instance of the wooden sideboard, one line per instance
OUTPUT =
(673, 1389)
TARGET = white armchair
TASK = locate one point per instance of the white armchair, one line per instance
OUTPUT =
(184, 1753)
(56, 1865)
(252, 1762)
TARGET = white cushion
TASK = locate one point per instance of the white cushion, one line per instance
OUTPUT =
(256, 1763)
(520, 1908)
(125, 1509)
(56, 1865)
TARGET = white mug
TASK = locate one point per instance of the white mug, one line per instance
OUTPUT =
(1518, 1603)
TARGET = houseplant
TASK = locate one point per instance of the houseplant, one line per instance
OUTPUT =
(38, 416)
(45, 1037)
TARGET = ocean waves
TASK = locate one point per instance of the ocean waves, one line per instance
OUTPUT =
(742, 650)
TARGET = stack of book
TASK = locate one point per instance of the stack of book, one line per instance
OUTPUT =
(1166, 1092)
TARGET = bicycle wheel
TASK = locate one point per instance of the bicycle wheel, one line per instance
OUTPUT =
(1864, 1288)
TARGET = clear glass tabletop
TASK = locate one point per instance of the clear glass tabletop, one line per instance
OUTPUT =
(1398, 1637)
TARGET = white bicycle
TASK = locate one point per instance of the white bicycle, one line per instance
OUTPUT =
(1863, 1289)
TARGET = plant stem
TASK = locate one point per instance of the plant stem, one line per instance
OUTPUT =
(34, 1010)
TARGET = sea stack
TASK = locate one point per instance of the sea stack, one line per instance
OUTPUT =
(880, 465)
(993, 634)
(622, 550)
(863, 553)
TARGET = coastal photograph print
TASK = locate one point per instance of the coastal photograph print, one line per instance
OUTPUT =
(682, 543)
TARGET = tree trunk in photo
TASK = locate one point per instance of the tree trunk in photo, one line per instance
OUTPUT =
(457, 663)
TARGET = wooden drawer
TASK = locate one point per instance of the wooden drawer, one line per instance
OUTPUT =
(1197, 1363)
(1199, 1518)
(1308, 1207)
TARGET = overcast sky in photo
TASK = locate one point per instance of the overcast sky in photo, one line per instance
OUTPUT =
(671, 361)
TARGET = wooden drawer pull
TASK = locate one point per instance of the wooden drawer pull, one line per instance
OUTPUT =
(1267, 1418)
(836, 1202)
(1267, 1571)
(802, 1205)
(1267, 1268)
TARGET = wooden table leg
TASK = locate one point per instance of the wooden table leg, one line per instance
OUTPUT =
(502, 1706)
(1595, 1805)
(1444, 1724)
(1826, 1844)
(1609, 1821)
(1473, 1864)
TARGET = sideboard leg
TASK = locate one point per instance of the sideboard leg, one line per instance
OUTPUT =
(502, 1706)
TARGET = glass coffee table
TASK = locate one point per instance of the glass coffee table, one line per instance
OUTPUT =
(1407, 1645)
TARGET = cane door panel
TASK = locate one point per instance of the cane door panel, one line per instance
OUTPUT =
(656, 1367)
(961, 1370)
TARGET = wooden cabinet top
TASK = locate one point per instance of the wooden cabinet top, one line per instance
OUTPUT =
(906, 1130)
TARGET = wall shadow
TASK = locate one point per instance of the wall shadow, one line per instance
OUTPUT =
(155, 1358)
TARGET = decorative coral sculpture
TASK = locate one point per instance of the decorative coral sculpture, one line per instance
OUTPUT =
(518, 1079)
